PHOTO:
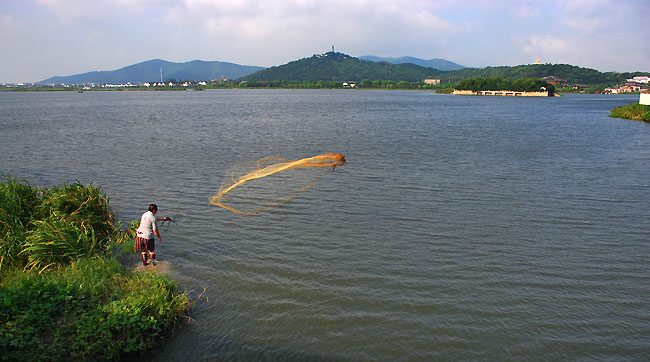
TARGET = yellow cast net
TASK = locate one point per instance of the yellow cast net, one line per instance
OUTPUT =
(257, 186)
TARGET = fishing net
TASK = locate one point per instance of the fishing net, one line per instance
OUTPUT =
(257, 186)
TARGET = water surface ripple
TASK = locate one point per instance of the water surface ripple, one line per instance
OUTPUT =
(461, 228)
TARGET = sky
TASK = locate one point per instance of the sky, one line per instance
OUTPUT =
(40, 39)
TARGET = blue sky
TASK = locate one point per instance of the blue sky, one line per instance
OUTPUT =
(44, 38)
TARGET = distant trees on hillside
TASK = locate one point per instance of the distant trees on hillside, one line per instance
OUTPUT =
(570, 73)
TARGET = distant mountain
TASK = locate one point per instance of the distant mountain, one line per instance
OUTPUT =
(437, 63)
(334, 66)
(149, 71)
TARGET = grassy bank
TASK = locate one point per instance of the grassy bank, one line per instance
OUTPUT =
(63, 293)
(636, 111)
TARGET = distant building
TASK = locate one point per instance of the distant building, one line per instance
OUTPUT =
(432, 81)
(121, 85)
(643, 79)
(555, 80)
(629, 87)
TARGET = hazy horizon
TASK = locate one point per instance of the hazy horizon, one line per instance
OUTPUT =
(47, 38)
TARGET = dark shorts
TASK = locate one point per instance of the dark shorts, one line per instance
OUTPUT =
(142, 244)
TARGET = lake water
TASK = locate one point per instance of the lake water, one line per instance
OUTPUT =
(461, 228)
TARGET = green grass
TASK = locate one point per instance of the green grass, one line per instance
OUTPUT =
(636, 111)
(63, 296)
(93, 309)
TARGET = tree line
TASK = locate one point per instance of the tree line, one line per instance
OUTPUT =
(498, 83)
(330, 84)
(474, 84)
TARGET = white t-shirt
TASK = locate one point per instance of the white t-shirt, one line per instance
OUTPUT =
(147, 225)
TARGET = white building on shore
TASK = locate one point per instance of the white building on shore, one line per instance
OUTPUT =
(643, 79)
(644, 98)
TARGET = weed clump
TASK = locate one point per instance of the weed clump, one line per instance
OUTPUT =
(636, 111)
(44, 228)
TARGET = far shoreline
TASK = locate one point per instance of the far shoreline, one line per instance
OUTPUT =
(202, 88)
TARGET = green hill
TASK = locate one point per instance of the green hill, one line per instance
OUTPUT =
(149, 71)
(334, 66)
(570, 73)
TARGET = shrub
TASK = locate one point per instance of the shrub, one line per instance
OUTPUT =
(636, 111)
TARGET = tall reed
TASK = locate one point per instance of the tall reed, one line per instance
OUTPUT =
(80, 203)
(57, 241)
(45, 228)
(19, 202)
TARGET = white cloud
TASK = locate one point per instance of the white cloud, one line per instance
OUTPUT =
(594, 53)
(9, 24)
(602, 15)
(524, 11)
(548, 46)
(109, 34)
(68, 10)
(286, 30)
